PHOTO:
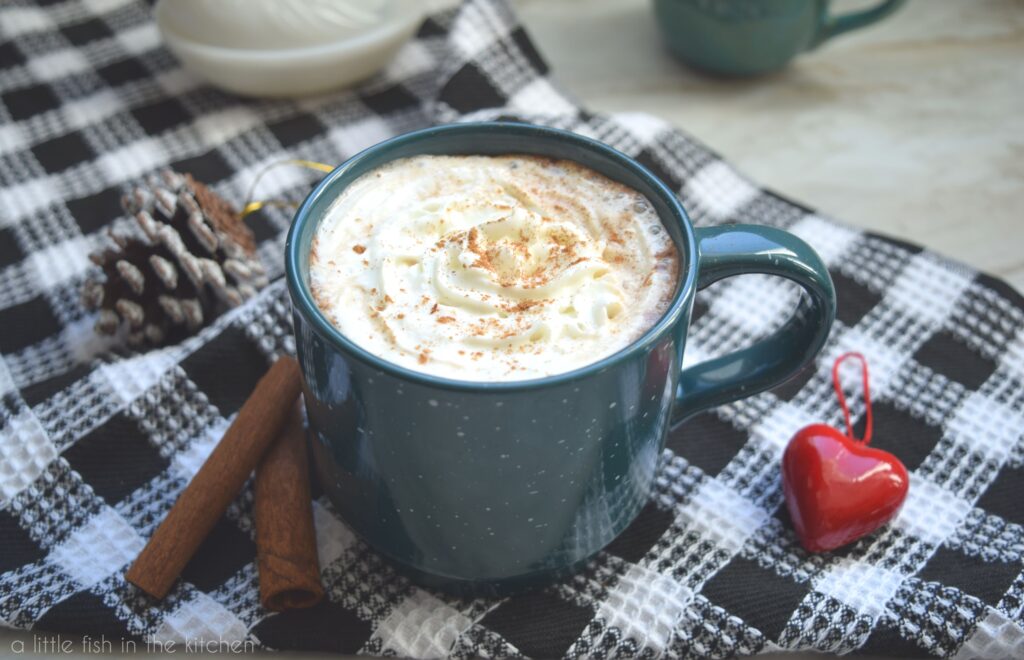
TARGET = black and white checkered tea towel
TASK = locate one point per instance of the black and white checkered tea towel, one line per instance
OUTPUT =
(95, 442)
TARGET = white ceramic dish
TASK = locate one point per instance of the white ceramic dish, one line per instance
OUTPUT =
(283, 48)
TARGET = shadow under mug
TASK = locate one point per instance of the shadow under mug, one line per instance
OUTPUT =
(486, 487)
(750, 37)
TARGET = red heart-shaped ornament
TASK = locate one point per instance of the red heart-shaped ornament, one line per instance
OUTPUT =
(838, 489)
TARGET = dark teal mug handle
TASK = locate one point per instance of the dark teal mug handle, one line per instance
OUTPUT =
(740, 249)
(831, 26)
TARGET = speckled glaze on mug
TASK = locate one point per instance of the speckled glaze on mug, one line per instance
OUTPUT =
(484, 487)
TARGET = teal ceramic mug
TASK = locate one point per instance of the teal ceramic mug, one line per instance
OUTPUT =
(488, 486)
(749, 37)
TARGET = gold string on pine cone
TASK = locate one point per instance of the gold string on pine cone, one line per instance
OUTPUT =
(186, 259)
(253, 206)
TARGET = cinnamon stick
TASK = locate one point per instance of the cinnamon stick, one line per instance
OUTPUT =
(218, 481)
(285, 539)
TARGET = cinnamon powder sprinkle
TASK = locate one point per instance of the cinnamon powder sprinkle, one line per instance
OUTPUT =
(524, 305)
(482, 259)
(519, 260)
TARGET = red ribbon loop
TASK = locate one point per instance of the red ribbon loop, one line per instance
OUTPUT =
(868, 422)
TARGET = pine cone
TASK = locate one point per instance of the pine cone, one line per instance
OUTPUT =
(190, 259)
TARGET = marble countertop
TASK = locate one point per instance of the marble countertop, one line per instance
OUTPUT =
(913, 127)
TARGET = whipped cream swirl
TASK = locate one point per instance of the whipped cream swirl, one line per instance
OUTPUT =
(491, 268)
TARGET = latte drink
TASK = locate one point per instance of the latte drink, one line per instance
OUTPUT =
(491, 268)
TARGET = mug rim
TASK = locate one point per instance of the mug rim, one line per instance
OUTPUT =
(302, 298)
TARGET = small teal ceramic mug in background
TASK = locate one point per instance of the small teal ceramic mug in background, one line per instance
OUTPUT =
(750, 37)
(488, 486)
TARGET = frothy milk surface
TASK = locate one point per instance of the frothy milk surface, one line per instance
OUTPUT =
(491, 268)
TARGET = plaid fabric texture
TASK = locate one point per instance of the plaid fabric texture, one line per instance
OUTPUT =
(96, 442)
